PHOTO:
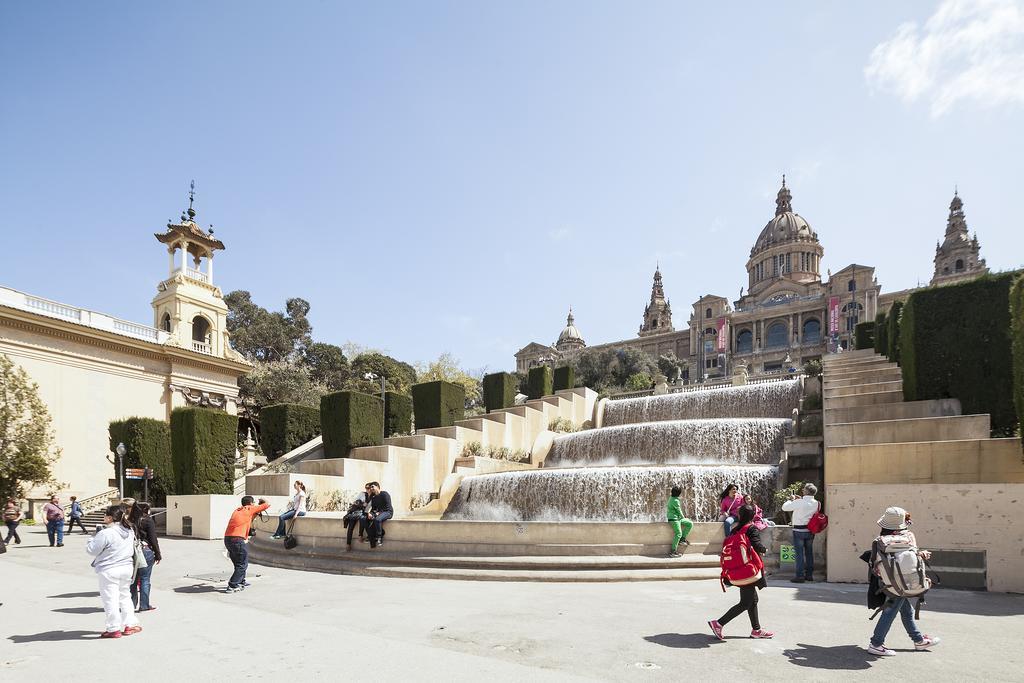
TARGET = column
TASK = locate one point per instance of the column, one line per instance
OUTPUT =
(209, 267)
(170, 260)
(184, 256)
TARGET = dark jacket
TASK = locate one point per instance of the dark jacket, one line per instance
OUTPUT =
(876, 598)
(381, 503)
(754, 536)
(146, 531)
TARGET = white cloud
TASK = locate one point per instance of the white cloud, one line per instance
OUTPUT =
(971, 50)
(560, 234)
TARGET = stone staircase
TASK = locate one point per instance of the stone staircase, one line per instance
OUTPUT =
(877, 442)
(422, 471)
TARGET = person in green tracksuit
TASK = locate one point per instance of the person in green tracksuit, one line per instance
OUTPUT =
(680, 525)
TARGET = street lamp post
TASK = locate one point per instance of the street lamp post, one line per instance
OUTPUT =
(371, 376)
(120, 450)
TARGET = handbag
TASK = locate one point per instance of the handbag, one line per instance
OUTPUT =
(139, 555)
(818, 521)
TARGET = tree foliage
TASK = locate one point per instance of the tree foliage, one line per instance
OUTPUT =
(262, 335)
(327, 365)
(609, 369)
(671, 366)
(27, 449)
(399, 376)
(447, 368)
(274, 382)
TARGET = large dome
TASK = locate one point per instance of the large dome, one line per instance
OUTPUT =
(570, 334)
(786, 226)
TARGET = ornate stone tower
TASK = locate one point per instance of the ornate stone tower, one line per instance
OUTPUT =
(958, 256)
(570, 341)
(658, 313)
(188, 305)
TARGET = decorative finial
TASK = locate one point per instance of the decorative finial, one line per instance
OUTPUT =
(569, 320)
(191, 198)
(783, 179)
(956, 191)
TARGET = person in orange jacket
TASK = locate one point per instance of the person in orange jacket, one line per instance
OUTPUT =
(236, 536)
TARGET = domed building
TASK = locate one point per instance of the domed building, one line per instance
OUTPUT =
(570, 340)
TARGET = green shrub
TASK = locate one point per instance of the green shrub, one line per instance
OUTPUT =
(864, 335)
(1017, 335)
(812, 402)
(955, 343)
(203, 443)
(349, 420)
(564, 378)
(562, 425)
(812, 368)
(540, 382)
(397, 413)
(148, 444)
(892, 335)
(811, 424)
(638, 382)
(881, 333)
(499, 390)
(286, 426)
(438, 404)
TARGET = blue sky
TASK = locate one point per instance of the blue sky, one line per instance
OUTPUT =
(441, 177)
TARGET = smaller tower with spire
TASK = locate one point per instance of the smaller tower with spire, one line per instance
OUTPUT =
(658, 312)
(958, 256)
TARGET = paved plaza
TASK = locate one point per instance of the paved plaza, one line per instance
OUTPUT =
(318, 626)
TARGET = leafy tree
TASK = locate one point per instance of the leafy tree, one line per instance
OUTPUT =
(275, 382)
(611, 368)
(400, 376)
(671, 366)
(27, 449)
(638, 381)
(446, 368)
(327, 365)
(262, 335)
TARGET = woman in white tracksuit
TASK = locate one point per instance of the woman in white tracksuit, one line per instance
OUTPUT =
(114, 549)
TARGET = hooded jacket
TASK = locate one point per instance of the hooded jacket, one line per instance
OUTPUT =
(112, 547)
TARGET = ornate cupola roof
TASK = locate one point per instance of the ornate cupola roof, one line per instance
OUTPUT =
(570, 339)
(958, 256)
(658, 312)
(188, 230)
(786, 226)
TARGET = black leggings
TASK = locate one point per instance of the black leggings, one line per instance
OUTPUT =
(748, 604)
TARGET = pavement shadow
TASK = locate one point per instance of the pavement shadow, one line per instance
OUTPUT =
(52, 636)
(91, 594)
(199, 588)
(689, 641)
(835, 658)
(946, 600)
(78, 610)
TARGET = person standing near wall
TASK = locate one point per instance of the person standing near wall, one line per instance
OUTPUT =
(803, 540)
(681, 526)
(54, 515)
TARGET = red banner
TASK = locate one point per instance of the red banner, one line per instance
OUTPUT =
(721, 336)
(833, 315)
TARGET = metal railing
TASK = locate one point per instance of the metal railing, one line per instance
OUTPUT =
(93, 503)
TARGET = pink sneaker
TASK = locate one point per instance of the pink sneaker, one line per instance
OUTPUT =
(716, 628)
(926, 642)
(110, 634)
(129, 630)
(761, 633)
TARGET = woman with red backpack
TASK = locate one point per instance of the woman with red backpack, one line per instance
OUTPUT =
(742, 566)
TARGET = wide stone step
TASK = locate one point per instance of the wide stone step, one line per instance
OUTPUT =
(867, 377)
(871, 388)
(870, 399)
(948, 428)
(970, 461)
(460, 434)
(848, 355)
(893, 411)
(857, 364)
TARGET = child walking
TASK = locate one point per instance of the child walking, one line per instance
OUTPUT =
(681, 526)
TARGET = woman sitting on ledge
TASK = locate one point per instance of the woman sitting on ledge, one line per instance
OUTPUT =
(296, 507)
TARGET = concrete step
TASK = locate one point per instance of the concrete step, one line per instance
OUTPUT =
(893, 411)
(848, 355)
(282, 484)
(858, 400)
(865, 377)
(970, 461)
(857, 364)
(947, 428)
(460, 434)
(871, 388)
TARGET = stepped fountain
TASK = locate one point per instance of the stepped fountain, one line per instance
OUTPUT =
(699, 440)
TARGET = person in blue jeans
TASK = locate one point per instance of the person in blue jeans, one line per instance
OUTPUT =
(296, 507)
(54, 515)
(236, 535)
(76, 516)
(145, 530)
(803, 508)
(380, 510)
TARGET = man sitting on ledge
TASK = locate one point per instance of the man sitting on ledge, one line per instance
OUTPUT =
(380, 510)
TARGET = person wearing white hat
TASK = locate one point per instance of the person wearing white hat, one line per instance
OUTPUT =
(895, 521)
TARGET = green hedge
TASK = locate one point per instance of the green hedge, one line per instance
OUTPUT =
(438, 404)
(892, 335)
(564, 378)
(203, 443)
(955, 343)
(350, 419)
(881, 333)
(540, 382)
(286, 426)
(397, 413)
(864, 335)
(499, 390)
(148, 444)
(1017, 335)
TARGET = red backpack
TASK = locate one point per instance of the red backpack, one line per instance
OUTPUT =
(818, 521)
(741, 564)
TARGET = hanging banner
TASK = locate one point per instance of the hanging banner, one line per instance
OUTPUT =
(833, 315)
(721, 335)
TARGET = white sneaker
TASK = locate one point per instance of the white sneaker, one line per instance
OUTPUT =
(881, 651)
(926, 642)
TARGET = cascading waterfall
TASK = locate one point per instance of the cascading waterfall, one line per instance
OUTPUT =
(699, 441)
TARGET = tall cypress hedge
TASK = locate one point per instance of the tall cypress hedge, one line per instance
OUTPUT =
(955, 343)
(286, 426)
(350, 419)
(881, 333)
(540, 382)
(499, 390)
(564, 378)
(203, 444)
(438, 404)
(1017, 333)
(397, 413)
(148, 444)
(864, 335)
(892, 334)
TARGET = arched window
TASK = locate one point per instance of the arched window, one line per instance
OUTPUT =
(744, 341)
(777, 336)
(200, 329)
(707, 313)
(812, 331)
(165, 322)
(959, 264)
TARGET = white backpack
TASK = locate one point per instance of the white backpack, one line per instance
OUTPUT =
(901, 571)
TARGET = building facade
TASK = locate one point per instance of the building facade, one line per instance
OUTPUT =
(92, 368)
(786, 314)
